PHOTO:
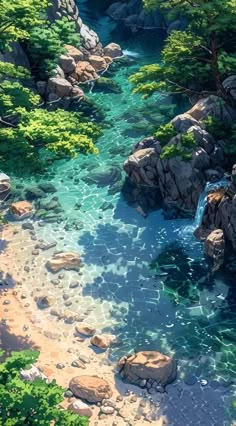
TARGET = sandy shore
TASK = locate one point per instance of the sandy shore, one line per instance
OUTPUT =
(25, 326)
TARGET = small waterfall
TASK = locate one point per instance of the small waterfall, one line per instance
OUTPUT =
(131, 54)
(189, 229)
(203, 199)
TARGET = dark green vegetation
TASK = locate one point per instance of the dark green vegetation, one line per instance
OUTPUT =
(30, 403)
(197, 59)
(26, 127)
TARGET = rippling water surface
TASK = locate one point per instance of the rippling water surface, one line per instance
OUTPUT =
(145, 279)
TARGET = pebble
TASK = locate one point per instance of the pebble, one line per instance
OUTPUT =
(66, 296)
(107, 409)
(26, 305)
(23, 296)
(25, 328)
(26, 268)
(68, 394)
(35, 252)
(68, 303)
(160, 389)
(61, 276)
(143, 383)
(84, 359)
(119, 398)
(55, 282)
(133, 398)
(74, 284)
(6, 302)
(60, 366)
(190, 379)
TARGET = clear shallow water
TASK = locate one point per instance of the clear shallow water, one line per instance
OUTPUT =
(146, 279)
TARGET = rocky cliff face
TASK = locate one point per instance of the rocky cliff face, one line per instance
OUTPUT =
(68, 8)
(181, 181)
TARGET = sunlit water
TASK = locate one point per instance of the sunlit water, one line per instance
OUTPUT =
(146, 278)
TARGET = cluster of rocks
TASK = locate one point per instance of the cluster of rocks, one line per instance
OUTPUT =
(219, 222)
(133, 15)
(150, 370)
(77, 66)
(181, 182)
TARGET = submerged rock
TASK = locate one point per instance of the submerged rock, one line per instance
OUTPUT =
(113, 50)
(90, 388)
(64, 260)
(148, 365)
(45, 301)
(107, 85)
(102, 177)
(85, 329)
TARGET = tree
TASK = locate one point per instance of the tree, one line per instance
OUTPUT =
(47, 42)
(17, 18)
(31, 403)
(198, 59)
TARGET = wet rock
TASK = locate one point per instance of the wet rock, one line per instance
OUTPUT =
(21, 209)
(74, 284)
(47, 187)
(107, 85)
(102, 177)
(28, 225)
(64, 260)
(146, 365)
(141, 167)
(34, 193)
(103, 341)
(113, 50)
(214, 248)
(90, 388)
(45, 301)
(79, 407)
(85, 329)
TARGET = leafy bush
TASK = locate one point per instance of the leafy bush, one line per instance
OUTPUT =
(164, 133)
(47, 42)
(216, 127)
(187, 141)
(31, 403)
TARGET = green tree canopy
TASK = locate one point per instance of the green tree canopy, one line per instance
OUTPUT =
(31, 403)
(199, 58)
(17, 18)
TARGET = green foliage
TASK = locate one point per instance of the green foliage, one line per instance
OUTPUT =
(14, 94)
(164, 133)
(47, 42)
(197, 59)
(182, 149)
(12, 71)
(61, 132)
(18, 17)
(216, 128)
(31, 403)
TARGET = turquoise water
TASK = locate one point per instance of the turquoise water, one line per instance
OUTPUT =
(147, 275)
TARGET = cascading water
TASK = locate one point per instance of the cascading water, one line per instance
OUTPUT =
(223, 183)
(189, 229)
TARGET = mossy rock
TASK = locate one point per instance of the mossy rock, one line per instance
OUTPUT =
(107, 85)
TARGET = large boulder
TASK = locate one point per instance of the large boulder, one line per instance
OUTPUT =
(213, 106)
(113, 50)
(21, 209)
(90, 388)
(85, 72)
(141, 166)
(59, 86)
(148, 365)
(64, 260)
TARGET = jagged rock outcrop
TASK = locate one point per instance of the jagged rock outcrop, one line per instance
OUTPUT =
(214, 248)
(182, 178)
